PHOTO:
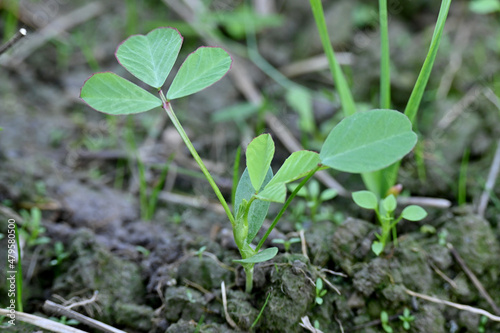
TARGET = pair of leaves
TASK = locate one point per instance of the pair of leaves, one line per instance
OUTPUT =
(260, 153)
(150, 58)
(257, 179)
(368, 200)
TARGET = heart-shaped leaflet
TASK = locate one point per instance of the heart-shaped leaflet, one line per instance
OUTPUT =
(150, 58)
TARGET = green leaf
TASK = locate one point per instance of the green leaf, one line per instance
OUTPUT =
(413, 213)
(368, 141)
(377, 248)
(264, 255)
(365, 199)
(296, 166)
(389, 203)
(260, 153)
(202, 68)
(258, 209)
(328, 194)
(110, 93)
(484, 6)
(150, 58)
(300, 100)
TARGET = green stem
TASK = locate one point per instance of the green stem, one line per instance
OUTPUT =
(338, 76)
(385, 74)
(197, 158)
(425, 72)
(249, 279)
(285, 206)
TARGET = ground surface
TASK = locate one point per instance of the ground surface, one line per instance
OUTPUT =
(79, 168)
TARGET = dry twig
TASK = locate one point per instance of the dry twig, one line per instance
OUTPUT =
(60, 310)
(474, 279)
(490, 182)
(454, 305)
(44, 323)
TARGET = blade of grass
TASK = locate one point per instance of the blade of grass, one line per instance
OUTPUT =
(387, 177)
(425, 72)
(385, 74)
(338, 76)
(462, 178)
(236, 174)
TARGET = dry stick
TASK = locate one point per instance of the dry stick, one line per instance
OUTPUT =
(229, 320)
(60, 310)
(473, 278)
(52, 30)
(454, 305)
(20, 34)
(44, 323)
(490, 182)
(427, 202)
(191, 201)
(314, 64)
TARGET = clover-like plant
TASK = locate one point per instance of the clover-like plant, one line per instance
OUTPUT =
(384, 209)
(362, 142)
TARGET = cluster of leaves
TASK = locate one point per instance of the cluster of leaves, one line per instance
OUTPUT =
(360, 143)
(384, 209)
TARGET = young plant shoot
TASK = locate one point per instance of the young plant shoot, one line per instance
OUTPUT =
(362, 142)
(385, 214)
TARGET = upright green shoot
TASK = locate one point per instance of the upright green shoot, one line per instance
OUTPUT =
(352, 146)
(338, 76)
(385, 73)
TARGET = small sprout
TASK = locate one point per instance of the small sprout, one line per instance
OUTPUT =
(384, 319)
(320, 292)
(427, 229)
(385, 214)
(482, 324)
(286, 243)
(443, 234)
(406, 318)
(200, 251)
(141, 249)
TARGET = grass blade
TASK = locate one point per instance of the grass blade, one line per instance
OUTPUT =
(338, 76)
(425, 72)
(385, 73)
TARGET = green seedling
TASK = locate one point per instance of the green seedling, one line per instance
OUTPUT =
(200, 251)
(362, 142)
(442, 237)
(406, 318)
(286, 242)
(482, 324)
(384, 209)
(381, 180)
(320, 292)
(314, 198)
(384, 321)
(65, 321)
(32, 228)
(484, 6)
(60, 253)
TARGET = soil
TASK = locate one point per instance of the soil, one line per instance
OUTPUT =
(79, 168)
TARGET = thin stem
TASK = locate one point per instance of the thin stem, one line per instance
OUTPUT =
(425, 72)
(285, 206)
(249, 279)
(385, 74)
(197, 158)
(338, 76)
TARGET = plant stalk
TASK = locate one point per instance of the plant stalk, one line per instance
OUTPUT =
(346, 98)
(249, 279)
(385, 71)
(170, 112)
(285, 206)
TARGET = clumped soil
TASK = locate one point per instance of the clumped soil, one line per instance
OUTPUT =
(166, 275)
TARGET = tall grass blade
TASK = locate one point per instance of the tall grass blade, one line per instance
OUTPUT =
(425, 72)
(338, 76)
